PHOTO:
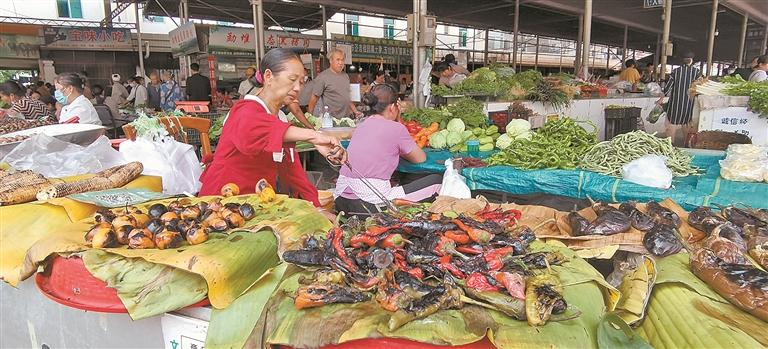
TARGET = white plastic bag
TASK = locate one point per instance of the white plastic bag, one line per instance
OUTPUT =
(648, 170)
(54, 158)
(454, 184)
(652, 89)
(745, 163)
(174, 161)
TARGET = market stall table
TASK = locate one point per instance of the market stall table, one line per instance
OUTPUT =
(80, 134)
(689, 192)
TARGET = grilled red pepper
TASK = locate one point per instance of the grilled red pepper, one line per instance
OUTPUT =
(416, 272)
(479, 282)
(376, 230)
(477, 235)
(458, 236)
(469, 249)
(337, 237)
(362, 240)
(496, 258)
(391, 241)
(445, 263)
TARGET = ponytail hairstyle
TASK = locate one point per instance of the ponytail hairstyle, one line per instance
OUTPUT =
(71, 79)
(275, 60)
(380, 97)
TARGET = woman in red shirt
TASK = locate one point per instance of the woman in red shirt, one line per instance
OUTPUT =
(256, 144)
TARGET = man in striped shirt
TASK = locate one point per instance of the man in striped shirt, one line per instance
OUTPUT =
(679, 107)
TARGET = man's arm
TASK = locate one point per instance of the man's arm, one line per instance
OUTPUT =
(312, 103)
(354, 110)
(295, 109)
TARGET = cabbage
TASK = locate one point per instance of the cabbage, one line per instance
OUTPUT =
(438, 140)
(517, 127)
(486, 140)
(344, 122)
(491, 130)
(504, 141)
(453, 138)
(456, 125)
(525, 135)
(467, 135)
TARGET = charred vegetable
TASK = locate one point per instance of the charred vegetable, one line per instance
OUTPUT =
(663, 240)
(702, 218)
(318, 295)
(543, 297)
(663, 215)
(579, 225)
(639, 220)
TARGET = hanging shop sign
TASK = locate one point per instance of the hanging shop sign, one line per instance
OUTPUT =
(80, 38)
(653, 3)
(19, 46)
(184, 40)
(374, 47)
(233, 41)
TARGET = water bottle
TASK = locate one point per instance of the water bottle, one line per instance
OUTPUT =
(327, 119)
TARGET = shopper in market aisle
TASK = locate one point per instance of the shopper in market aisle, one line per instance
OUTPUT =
(138, 95)
(153, 91)
(449, 77)
(119, 92)
(86, 85)
(679, 108)
(381, 77)
(170, 92)
(22, 106)
(198, 86)
(42, 89)
(75, 107)
(247, 86)
(760, 69)
(450, 59)
(331, 89)
(630, 73)
(746, 72)
(256, 144)
(375, 151)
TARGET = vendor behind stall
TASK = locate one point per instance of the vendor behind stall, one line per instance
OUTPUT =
(630, 73)
(75, 107)
(21, 106)
(375, 150)
(253, 141)
(449, 77)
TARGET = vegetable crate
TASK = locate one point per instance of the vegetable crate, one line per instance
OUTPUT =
(621, 120)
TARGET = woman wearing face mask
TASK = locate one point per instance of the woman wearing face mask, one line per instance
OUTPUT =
(256, 144)
(375, 150)
(75, 107)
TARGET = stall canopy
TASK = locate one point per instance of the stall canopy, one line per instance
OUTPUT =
(554, 18)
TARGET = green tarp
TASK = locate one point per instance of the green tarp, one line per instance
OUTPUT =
(689, 192)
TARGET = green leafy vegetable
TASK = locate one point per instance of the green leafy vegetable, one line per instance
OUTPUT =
(757, 92)
(470, 111)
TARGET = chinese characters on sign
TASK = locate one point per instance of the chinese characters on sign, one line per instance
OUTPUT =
(184, 40)
(87, 38)
(375, 47)
(738, 120)
(233, 41)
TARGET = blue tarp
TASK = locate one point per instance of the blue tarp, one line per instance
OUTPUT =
(689, 192)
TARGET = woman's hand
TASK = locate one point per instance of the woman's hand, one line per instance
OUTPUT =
(320, 139)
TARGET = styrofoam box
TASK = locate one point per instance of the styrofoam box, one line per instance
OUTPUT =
(183, 332)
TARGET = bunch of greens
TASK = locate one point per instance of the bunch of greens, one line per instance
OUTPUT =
(559, 144)
(148, 127)
(441, 90)
(482, 81)
(427, 116)
(732, 79)
(757, 92)
(214, 133)
(470, 111)
(546, 92)
(527, 80)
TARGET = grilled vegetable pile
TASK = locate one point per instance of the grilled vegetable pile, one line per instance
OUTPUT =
(416, 266)
(25, 186)
(9, 124)
(13, 139)
(609, 157)
(560, 143)
(164, 226)
(721, 260)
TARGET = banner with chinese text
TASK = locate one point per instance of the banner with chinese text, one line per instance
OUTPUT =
(184, 40)
(87, 38)
(233, 41)
(375, 47)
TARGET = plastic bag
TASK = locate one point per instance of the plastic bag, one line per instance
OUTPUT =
(656, 113)
(652, 89)
(454, 184)
(174, 161)
(648, 170)
(54, 158)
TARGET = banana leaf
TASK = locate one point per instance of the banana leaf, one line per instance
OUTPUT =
(636, 290)
(585, 290)
(230, 264)
(146, 289)
(23, 225)
(613, 333)
(686, 313)
(230, 327)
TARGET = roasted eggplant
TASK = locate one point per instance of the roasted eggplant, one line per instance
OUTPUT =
(663, 240)
(663, 215)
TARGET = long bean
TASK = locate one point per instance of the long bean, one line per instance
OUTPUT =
(609, 157)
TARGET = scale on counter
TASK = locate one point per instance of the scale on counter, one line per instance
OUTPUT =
(193, 106)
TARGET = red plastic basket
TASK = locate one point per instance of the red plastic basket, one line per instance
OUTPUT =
(389, 343)
(66, 281)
